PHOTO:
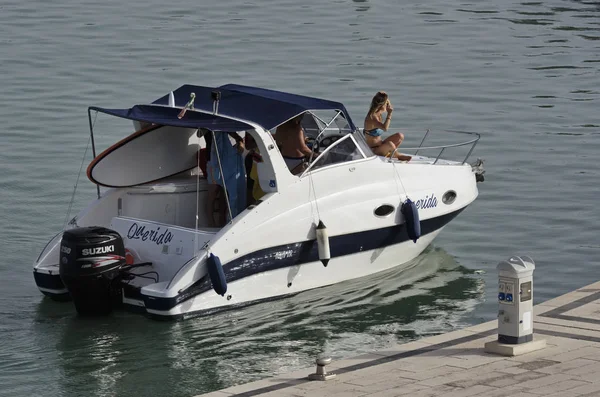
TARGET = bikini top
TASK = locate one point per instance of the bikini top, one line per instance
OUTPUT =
(375, 132)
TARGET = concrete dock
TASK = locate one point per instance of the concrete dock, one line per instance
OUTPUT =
(455, 364)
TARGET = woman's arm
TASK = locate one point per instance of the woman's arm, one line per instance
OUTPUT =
(388, 119)
(387, 122)
(378, 124)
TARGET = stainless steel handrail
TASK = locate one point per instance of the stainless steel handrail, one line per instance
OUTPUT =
(423, 140)
(440, 146)
(472, 142)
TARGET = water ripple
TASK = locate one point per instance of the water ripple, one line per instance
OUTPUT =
(525, 75)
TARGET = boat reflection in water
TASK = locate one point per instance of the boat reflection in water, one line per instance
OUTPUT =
(124, 354)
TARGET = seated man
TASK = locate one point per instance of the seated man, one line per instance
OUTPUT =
(292, 144)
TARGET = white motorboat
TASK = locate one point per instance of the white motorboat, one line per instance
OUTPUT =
(146, 241)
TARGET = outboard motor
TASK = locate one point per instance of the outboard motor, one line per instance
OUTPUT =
(91, 259)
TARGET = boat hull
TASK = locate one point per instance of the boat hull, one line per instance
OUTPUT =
(270, 250)
(290, 280)
(278, 272)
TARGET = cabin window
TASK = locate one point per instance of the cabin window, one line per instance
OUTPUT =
(343, 150)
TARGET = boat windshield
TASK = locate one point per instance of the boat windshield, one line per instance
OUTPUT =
(331, 137)
(343, 150)
(327, 127)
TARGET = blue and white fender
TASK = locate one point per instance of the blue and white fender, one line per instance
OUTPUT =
(217, 276)
(411, 219)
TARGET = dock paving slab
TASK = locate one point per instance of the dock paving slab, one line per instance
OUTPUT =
(405, 390)
(567, 323)
(516, 379)
(566, 366)
(589, 373)
(589, 390)
(455, 365)
(558, 387)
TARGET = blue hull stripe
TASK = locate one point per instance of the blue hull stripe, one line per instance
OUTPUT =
(49, 281)
(295, 254)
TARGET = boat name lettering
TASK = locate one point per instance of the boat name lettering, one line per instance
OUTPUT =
(427, 202)
(284, 254)
(98, 250)
(137, 232)
(65, 249)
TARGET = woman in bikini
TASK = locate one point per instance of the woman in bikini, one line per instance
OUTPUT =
(375, 127)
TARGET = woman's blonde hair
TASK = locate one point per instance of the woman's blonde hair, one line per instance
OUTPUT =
(378, 101)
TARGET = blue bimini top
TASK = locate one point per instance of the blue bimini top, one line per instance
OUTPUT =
(237, 103)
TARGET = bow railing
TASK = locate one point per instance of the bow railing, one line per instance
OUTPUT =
(442, 148)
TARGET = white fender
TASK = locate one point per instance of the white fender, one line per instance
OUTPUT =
(323, 243)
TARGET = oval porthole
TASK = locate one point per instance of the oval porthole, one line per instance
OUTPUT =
(449, 197)
(383, 210)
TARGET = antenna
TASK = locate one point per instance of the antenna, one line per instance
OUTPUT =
(189, 105)
(216, 97)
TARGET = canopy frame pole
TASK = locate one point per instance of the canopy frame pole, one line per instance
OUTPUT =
(214, 144)
(337, 114)
(93, 143)
(323, 130)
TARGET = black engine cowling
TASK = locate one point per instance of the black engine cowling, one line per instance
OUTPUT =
(91, 259)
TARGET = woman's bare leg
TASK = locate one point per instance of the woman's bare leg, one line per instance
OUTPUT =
(403, 157)
(396, 138)
(385, 149)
